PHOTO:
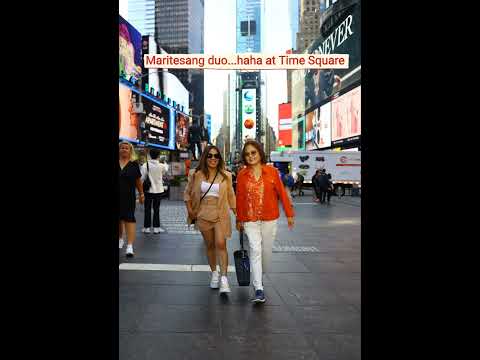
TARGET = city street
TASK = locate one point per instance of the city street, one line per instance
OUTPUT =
(167, 310)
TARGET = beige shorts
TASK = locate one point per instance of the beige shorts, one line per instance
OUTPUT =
(208, 216)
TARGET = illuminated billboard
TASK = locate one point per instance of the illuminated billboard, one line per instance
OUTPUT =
(249, 113)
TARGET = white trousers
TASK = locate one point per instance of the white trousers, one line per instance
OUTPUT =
(261, 235)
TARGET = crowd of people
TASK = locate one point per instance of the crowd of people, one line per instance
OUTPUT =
(252, 193)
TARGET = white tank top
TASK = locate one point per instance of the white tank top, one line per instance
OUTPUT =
(214, 191)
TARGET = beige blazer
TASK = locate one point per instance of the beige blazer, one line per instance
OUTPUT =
(226, 198)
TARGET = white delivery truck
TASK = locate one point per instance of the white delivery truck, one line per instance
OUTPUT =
(345, 166)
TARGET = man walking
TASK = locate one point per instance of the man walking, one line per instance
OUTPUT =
(322, 185)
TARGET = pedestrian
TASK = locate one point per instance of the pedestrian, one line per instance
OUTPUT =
(259, 189)
(289, 183)
(321, 182)
(129, 179)
(194, 139)
(209, 196)
(155, 172)
(331, 188)
(316, 190)
(299, 184)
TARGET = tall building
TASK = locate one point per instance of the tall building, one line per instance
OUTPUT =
(309, 26)
(141, 14)
(249, 26)
(179, 30)
(294, 20)
(249, 40)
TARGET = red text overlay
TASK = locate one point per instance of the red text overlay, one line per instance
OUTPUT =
(246, 61)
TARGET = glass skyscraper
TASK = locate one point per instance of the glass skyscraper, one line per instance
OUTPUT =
(249, 26)
(141, 14)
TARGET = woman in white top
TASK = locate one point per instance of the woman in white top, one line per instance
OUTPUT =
(210, 209)
(155, 172)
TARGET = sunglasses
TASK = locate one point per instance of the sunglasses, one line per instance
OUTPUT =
(216, 156)
(251, 153)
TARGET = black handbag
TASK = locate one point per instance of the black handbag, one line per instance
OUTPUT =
(242, 264)
(194, 220)
(147, 184)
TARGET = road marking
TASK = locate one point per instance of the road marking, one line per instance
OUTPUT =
(169, 267)
(295, 249)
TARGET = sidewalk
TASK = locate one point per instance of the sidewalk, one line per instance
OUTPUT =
(167, 310)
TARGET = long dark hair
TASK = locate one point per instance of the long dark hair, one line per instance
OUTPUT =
(203, 167)
(256, 145)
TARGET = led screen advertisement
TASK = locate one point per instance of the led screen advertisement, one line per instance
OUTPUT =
(130, 50)
(157, 122)
(249, 113)
(285, 124)
(319, 135)
(339, 34)
(346, 115)
(310, 120)
(140, 115)
(129, 119)
(181, 131)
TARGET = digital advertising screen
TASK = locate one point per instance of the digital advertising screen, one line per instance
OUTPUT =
(249, 113)
(157, 122)
(339, 34)
(139, 113)
(310, 120)
(285, 124)
(346, 115)
(129, 120)
(321, 127)
(181, 131)
(130, 49)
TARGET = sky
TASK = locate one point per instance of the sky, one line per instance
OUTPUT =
(220, 38)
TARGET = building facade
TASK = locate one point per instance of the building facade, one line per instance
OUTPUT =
(309, 23)
(179, 30)
(249, 40)
(141, 14)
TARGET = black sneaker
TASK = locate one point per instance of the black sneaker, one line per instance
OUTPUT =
(259, 297)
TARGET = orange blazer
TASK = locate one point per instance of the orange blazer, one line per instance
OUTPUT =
(273, 191)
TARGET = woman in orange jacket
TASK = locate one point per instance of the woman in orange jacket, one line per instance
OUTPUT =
(259, 189)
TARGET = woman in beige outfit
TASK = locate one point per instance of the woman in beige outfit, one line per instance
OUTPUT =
(209, 197)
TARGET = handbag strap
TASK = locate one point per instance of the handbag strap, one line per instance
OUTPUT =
(241, 239)
(209, 186)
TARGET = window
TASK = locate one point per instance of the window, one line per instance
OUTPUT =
(244, 28)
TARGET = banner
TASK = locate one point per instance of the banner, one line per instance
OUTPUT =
(129, 119)
(340, 34)
(249, 114)
(285, 124)
(346, 115)
(130, 50)
(320, 130)
(181, 131)
(157, 122)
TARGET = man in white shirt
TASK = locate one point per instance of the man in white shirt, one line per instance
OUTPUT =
(155, 172)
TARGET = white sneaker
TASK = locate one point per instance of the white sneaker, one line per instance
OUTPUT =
(158, 230)
(121, 242)
(224, 288)
(146, 230)
(129, 252)
(215, 280)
